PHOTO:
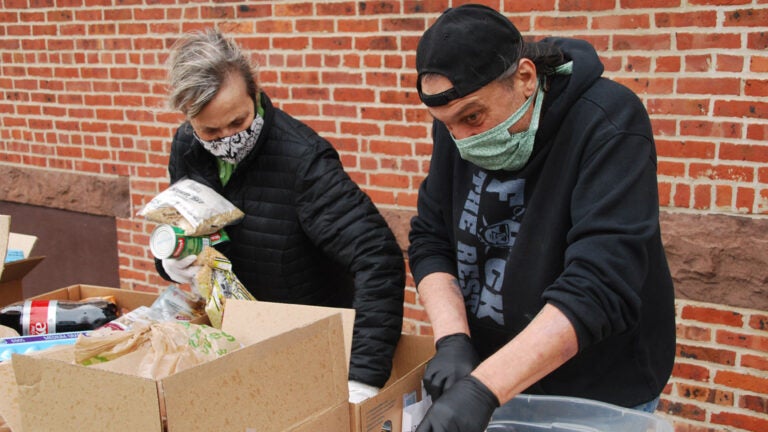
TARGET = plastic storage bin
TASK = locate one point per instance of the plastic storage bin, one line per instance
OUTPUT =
(531, 413)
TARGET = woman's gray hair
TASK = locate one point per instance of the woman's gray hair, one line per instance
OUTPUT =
(199, 64)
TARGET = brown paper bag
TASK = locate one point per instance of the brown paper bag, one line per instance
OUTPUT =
(153, 351)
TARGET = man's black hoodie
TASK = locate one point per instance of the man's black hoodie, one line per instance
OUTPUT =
(576, 227)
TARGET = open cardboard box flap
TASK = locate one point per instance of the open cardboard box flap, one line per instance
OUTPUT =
(11, 273)
(384, 411)
(290, 377)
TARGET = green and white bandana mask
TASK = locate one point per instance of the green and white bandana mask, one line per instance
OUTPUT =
(497, 148)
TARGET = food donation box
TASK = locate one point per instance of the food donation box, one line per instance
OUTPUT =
(384, 411)
(289, 375)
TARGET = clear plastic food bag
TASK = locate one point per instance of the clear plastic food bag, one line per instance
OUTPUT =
(193, 207)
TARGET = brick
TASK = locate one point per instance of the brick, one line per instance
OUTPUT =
(723, 196)
(339, 111)
(758, 64)
(718, 86)
(361, 129)
(673, 169)
(699, 63)
(402, 24)
(382, 114)
(758, 404)
(709, 355)
(743, 340)
(638, 64)
(690, 107)
(358, 25)
(703, 19)
(746, 17)
(349, 78)
(748, 153)
(407, 131)
(428, 6)
(378, 7)
(683, 410)
(353, 95)
(643, 85)
(754, 362)
(561, 22)
(721, 172)
(310, 26)
(655, 42)
(705, 394)
(702, 197)
(381, 79)
(664, 127)
(745, 198)
(393, 148)
(729, 63)
(681, 195)
(749, 109)
(290, 43)
(376, 43)
(740, 421)
(299, 77)
(690, 372)
(697, 41)
(529, 6)
(759, 322)
(685, 149)
(709, 128)
(756, 88)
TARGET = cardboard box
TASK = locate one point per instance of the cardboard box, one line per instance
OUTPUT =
(125, 299)
(9, 403)
(291, 375)
(12, 273)
(384, 412)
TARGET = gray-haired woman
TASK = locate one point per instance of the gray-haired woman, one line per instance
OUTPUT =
(310, 235)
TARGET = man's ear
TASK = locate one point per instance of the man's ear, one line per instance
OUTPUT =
(526, 72)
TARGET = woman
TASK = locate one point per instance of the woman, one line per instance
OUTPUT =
(309, 235)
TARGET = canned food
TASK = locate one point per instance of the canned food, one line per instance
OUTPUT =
(168, 241)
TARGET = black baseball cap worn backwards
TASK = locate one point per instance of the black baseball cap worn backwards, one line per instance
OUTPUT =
(471, 45)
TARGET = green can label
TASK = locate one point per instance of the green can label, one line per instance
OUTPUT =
(168, 241)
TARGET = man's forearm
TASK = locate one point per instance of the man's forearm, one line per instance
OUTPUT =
(441, 297)
(544, 345)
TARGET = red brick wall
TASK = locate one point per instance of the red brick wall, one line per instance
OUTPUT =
(81, 90)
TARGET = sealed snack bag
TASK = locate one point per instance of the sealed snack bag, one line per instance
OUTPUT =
(195, 208)
(216, 282)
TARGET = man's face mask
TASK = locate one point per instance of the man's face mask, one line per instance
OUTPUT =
(497, 148)
(234, 148)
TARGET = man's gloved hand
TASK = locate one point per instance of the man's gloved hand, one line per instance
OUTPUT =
(455, 358)
(466, 407)
(359, 392)
(182, 270)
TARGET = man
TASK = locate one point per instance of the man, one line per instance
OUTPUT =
(536, 249)
(309, 235)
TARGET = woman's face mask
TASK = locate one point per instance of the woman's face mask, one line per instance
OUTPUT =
(234, 148)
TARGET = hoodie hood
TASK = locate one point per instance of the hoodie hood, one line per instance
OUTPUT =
(566, 89)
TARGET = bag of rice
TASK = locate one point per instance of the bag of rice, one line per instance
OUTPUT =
(193, 207)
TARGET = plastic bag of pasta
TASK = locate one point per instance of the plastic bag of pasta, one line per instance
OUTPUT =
(193, 207)
(216, 282)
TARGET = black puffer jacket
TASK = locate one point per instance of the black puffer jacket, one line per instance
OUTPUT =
(309, 236)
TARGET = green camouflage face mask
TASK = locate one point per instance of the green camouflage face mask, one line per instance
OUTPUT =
(497, 148)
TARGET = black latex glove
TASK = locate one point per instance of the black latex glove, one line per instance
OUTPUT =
(466, 407)
(455, 358)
